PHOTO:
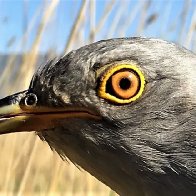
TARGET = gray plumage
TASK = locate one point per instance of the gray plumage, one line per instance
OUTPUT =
(145, 148)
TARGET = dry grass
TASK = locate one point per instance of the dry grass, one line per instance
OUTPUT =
(28, 166)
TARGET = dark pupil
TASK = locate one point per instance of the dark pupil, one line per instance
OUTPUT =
(30, 100)
(125, 83)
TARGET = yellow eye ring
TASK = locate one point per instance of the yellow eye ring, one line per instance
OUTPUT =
(122, 84)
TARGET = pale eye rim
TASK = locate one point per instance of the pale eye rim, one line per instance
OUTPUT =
(30, 96)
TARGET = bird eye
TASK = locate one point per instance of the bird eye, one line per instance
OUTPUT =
(122, 84)
(30, 100)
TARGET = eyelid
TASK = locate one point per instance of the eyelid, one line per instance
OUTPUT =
(105, 77)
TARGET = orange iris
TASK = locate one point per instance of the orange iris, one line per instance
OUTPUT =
(125, 84)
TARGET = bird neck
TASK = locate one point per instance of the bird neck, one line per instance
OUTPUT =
(109, 168)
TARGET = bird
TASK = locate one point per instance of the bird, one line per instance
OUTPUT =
(123, 109)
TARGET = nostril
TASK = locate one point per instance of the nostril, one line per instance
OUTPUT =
(30, 100)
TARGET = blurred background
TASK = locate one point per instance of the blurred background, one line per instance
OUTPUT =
(34, 31)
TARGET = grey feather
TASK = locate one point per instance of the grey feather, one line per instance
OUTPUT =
(145, 148)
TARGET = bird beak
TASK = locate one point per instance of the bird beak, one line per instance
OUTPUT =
(16, 117)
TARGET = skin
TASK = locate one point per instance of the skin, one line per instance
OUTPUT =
(144, 148)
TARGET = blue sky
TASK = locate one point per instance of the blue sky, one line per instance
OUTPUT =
(14, 21)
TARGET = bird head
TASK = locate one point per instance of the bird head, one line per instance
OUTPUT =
(122, 109)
